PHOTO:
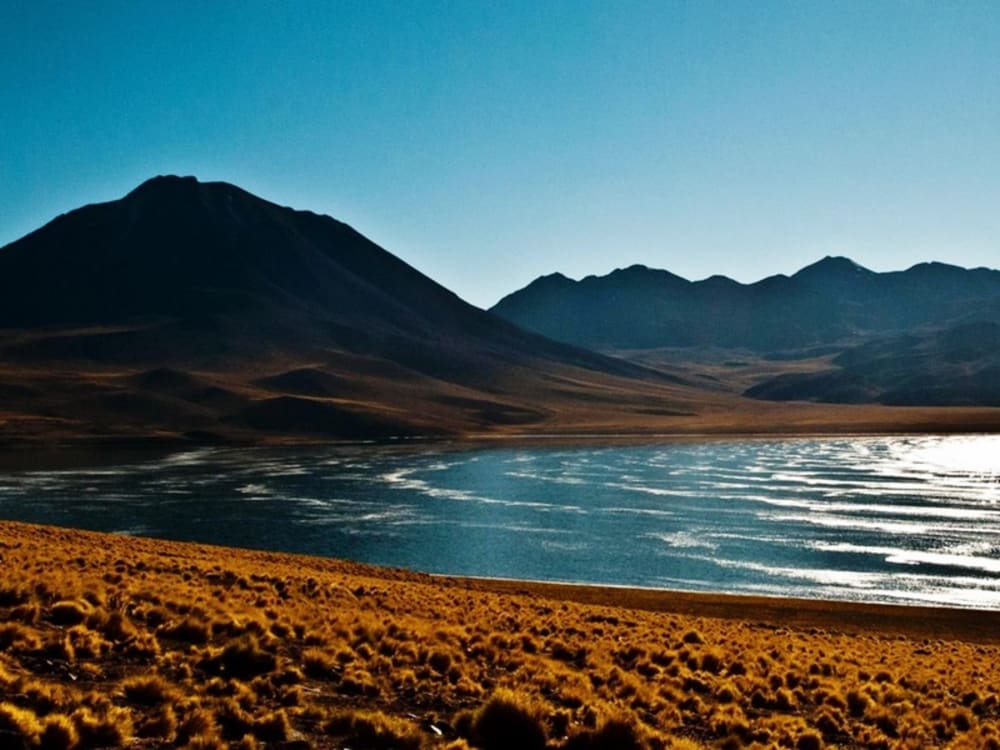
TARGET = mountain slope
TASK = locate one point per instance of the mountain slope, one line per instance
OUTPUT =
(957, 366)
(833, 300)
(198, 308)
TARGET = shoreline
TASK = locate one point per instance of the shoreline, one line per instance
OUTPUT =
(81, 452)
(912, 618)
(915, 621)
(777, 420)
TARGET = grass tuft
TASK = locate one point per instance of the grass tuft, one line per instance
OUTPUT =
(507, 722)
(107, 729)
(616, 734)
(189, 630)
(373, 730)
(147, 691)
(59, 733)
(70, 611)
(19, 727)
(243, 659)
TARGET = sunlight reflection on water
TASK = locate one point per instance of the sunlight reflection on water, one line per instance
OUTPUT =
(978, 455)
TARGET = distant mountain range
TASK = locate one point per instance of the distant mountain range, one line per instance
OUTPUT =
(833, 301)
(189, 308)
(925, 336)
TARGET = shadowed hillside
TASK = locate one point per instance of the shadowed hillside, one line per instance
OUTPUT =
(957, 366)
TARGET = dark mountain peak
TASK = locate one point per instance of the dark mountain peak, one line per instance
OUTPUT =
(637, 273)
(931, 268)
(543, 287)
(175, 246)
(718, 281)
(635, 268)
(833, 266)
(179, 195)
(165, 182)
(552, 282)
(170, 199)
(170, 202)
(639, 269)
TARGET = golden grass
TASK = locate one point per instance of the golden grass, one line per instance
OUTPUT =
(114, 641)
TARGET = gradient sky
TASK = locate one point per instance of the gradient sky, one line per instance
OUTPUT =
(487, 143)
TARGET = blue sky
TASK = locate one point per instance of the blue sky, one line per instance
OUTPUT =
(487, 143)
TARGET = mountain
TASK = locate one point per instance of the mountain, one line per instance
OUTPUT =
(957, 366)
(832, 301)
(181, 256)
(198, 309)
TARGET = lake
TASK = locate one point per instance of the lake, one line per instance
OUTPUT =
(888, 519)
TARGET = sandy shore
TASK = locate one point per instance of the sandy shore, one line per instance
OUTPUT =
(144, 643)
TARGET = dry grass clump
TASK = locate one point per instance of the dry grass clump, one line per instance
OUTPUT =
(374, 730)
(505, 721)
(59, 733)
(19, 726)
(148, 690)
(243, 659)
(616, 734)
(113, 642)
(70, 612)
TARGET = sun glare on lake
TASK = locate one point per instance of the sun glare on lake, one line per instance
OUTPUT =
(973, 454)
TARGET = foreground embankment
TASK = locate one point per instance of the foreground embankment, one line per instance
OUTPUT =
(116, 641)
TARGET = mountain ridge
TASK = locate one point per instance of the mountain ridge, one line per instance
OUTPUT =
(827, 301)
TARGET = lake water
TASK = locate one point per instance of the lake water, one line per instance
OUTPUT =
(891, 519)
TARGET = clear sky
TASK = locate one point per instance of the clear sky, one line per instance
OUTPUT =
(487, 143)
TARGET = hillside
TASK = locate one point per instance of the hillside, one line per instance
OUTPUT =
(957, 366)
